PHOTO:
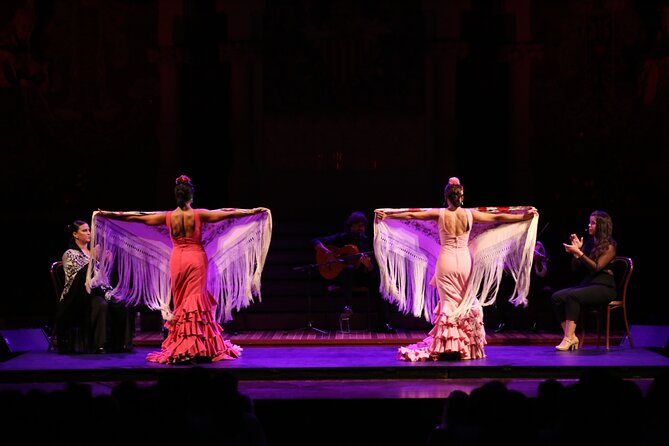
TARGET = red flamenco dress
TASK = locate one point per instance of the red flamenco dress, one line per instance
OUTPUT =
(194, 333)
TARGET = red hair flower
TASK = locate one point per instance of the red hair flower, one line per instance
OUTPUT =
(183, 179)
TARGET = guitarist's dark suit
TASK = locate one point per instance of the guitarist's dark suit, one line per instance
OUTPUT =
(354, 270)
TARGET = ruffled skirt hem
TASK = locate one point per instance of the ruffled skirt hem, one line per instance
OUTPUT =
(197, 351)
(194, 334)
(463, 337)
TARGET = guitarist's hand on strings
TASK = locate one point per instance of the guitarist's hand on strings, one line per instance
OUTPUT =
(366, 261)
(329, 255)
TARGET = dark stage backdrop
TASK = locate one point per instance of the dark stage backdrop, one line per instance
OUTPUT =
(315, 109)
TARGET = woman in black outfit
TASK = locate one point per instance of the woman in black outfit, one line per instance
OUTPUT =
(88, 322)
(597, 287)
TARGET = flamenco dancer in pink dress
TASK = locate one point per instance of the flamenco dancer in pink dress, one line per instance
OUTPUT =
(193, 331)
(457, 331)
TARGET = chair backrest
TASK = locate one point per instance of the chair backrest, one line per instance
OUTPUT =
(622, 271)
(57, 278)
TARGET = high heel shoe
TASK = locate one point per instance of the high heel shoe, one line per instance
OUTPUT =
(568, 344)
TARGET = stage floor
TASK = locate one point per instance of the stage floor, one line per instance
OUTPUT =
(341, 371)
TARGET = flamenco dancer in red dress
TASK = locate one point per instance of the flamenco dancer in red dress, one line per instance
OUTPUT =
(194, 333)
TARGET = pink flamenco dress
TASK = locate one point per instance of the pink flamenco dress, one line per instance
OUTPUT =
(194, 333)
(463, 337)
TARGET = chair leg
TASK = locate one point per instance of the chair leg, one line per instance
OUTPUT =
(608, 326)
(627, 327)
(52, 338)
(369, 311)
(345, 323)
(598, 316)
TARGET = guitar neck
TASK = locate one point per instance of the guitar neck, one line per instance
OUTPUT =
(353, 256)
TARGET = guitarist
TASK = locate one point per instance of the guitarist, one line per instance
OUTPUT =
(357, 269)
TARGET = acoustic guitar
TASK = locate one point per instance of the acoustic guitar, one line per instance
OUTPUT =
(344, 256)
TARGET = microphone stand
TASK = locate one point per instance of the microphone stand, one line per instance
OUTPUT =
(308, 270)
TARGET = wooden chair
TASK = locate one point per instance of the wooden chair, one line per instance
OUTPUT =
(622, 271)
(57, 281)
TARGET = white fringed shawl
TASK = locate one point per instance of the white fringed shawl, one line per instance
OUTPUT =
(407, 250)
(139, 257)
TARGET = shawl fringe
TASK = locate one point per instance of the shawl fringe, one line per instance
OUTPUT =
(136, 257)
(407, 250)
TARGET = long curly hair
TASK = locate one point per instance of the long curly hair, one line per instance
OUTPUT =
(603, 236)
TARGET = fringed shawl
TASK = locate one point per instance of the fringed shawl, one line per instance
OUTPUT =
(407, 250)
(138, 256)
